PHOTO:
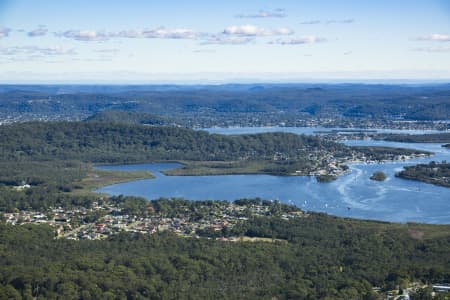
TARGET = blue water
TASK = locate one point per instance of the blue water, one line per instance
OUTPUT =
(351, 195)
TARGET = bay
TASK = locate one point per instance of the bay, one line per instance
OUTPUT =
(351, 195)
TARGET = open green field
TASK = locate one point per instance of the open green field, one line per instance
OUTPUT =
(201, 168)
(96, 178)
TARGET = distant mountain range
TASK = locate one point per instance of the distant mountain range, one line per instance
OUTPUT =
(353, 101)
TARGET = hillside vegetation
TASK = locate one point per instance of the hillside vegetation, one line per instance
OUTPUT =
(443, 137)
(325, 258)
(434, 173)
(108, 142)
(231, 104)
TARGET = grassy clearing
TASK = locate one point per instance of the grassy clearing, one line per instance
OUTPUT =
(203, 168)
(98, 178)
(260, 239)
(199, 168)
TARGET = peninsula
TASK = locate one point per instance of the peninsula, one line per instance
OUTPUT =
(434, 173)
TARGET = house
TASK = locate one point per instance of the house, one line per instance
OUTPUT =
(61, 219)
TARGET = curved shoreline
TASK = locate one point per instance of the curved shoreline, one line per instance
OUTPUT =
(395, 200)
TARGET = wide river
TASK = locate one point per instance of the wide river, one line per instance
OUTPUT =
(351, 195)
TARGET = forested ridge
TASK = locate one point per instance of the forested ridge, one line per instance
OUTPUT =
(325, 258)
(111, 142)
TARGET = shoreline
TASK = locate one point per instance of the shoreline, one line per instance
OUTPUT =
(97, 179)
(209, 170)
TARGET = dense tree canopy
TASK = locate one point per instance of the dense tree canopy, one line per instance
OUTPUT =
(443, 137)
(433, 172)
(106, 142)
(324, 258)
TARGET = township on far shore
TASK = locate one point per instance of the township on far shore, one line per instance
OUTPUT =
(322, 163)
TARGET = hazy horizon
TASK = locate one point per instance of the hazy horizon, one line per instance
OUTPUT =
(235, 41)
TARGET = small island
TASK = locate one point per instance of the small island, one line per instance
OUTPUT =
(434, 173)
(378, 176)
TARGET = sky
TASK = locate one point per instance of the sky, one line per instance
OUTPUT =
(223, 41)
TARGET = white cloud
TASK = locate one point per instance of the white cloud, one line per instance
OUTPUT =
(4, 32)
(232, 35)
(38, 32)
(278, 13)
(157, 33)
(251, 30)
(299, 41)
(160, 33)
(85, 35)
(435, 37)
